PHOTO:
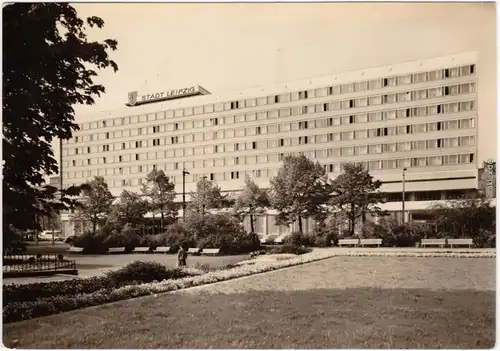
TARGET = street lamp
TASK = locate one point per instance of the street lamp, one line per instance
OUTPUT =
(204, 192)
(404, 170)
(184, 172)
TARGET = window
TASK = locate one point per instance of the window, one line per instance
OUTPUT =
(76, 151)
(88, 161)
(107, 135)
(257, 130)
(104, 160)
(120, 158)
(174, 140)
(137, 157)
(235, 175)
(176, 127)
(176, 165)
(123, 146)
(254, 145)
(74, 163)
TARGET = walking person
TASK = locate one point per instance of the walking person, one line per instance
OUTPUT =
(182, 256)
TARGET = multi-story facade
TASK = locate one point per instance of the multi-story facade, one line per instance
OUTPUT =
(421, 115)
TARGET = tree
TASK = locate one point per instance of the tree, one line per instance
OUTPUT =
(299, 190)
(48, 66)
(208, 195)
(252, 202)
(96, 203)
(130, 209)
(356, 193)
(161, 192)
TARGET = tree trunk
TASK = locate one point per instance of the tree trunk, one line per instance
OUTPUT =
(252, 229)
(94, 226)
(162, 219)
(300, 223)
(153, 223)
(352, 221)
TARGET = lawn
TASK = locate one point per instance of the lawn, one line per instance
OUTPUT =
(345, 302)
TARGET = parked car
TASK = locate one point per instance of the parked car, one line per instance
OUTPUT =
(47, 235)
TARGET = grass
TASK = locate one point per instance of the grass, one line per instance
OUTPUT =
(323, 318)
(346, 302)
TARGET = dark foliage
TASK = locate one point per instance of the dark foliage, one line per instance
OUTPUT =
(48, 66)
(290, 249)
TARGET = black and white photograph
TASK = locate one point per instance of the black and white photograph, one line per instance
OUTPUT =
(252, 175)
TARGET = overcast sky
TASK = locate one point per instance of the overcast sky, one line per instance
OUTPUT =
(231, 46)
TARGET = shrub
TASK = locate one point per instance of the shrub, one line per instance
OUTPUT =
(325, 234)
(402, 235)
(91, 243)
(212, 230)
(485, 238)
(128, 238)
(298, 239)
(290, 249)
(133, 272)
(142, 272)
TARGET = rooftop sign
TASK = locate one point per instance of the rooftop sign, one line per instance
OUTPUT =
(135, 99)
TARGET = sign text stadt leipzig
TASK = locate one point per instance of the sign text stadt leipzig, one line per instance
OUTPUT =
(134, 99)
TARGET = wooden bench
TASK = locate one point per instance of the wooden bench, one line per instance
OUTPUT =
(279, 240)
(141, 249)
(364, 242)
(353, 242)
(75, 249)
(210, 251)
(433, 242)
(162, 249)
(457, 242)
(116, 250)
(193, 250)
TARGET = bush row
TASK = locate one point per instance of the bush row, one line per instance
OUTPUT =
(133, 273)
(209, 230)
(392, 234)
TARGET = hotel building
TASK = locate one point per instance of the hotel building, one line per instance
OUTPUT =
(420, 115)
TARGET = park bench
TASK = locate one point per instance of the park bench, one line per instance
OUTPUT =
(210, 251)
(353, 242)
(364, 242)
(457, 242)
(279, 239)
(75, 249)
(433, 242)
(141, 249)
(162, 249)
(116, 250)
(193, 251)
(268, 239)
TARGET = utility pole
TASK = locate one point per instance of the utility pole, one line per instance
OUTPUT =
(404, 170)
(184, 172)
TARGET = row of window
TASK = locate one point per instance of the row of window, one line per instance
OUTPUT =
(363, 134)
(374, 165)
(403, 146)
(423, 111)
(287, 112)
(379, 83)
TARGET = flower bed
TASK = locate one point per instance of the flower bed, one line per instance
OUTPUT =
(79, 297)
